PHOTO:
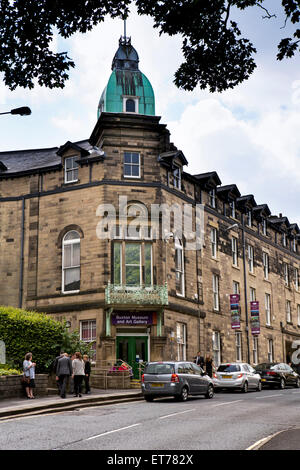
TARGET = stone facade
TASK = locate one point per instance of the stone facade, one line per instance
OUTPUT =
(38, 208)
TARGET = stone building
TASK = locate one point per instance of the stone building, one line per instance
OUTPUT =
(70, 244)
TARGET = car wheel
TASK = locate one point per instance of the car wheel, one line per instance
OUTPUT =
(245, 387)
(184, 394)
(297, 383)
(259, 386)
(210, 392)
(148, 398)
(282, 384)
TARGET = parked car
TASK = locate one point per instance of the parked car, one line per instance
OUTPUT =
(275, 374)
(178, 379)
(236, 375)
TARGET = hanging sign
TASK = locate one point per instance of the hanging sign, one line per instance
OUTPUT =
(254, 318)
(235, 311)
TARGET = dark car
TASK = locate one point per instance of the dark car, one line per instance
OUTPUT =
(275, 374)
(177, 379)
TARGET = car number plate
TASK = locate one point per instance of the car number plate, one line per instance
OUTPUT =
(263, 380)
(157, 385)
(226, 376)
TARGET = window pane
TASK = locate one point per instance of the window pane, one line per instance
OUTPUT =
(127, 157)
(133, 253)
(69, 163)
(117, 263)
(135, 170)
(72, 235)
(148, 265)
(135, 158)
(76, 254)
(67, 256)
(133, 275)
(130, 106)
(127, 170)
(71, 279)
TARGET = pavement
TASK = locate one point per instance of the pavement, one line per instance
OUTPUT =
(12, 407)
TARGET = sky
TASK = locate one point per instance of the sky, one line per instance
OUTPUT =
(250, 135)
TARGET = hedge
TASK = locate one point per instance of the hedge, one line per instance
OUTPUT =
(24, 331)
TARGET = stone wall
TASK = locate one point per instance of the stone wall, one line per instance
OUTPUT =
(11, 386)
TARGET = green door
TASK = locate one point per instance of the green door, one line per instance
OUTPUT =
(131, 349)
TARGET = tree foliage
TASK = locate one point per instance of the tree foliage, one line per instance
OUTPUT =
(24, 332)
(216, 55)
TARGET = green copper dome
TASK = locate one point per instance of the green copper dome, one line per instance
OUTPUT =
(128, 89)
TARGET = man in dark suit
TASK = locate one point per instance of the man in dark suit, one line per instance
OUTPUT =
(55, 367)
(199, 360)
(63, 372)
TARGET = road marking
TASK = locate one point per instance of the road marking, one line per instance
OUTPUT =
(175, 414)
(269, 396)
(227, 403)
(110, 432)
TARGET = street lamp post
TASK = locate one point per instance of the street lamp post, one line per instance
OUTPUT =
(23, 111)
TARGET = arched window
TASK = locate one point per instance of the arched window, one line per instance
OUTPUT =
(71, 262)
(130, 105)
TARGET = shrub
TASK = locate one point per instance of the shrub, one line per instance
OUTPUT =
(10, 372)
(24, 331)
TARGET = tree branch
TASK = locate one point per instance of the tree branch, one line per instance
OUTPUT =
(269, 16)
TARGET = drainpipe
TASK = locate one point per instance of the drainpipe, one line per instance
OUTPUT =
(22, 254)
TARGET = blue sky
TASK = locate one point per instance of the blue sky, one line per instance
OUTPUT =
(249, 135)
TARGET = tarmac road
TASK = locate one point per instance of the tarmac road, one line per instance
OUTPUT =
(229, 421)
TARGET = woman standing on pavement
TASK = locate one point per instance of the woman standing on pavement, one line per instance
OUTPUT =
(78, 374)
(209, 365)
(87, 373)
(29, 373)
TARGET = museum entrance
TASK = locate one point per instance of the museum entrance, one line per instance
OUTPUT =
(132, 349)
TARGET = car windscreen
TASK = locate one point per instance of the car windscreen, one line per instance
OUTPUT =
(159, 369)
(229, 368)
(266, 365)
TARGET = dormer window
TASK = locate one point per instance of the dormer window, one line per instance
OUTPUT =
(249, 218)
(232, 208)
(177, 177)
(284, 239)
(130, 104)
(212, 198)
(264, 226)
(71, 169)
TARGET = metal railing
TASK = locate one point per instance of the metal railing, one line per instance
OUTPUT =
(119, 294)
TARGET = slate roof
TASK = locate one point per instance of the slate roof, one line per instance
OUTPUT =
(19, 162)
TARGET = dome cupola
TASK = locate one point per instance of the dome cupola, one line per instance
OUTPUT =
(128, 90)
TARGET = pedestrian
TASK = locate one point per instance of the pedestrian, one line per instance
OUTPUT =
(29, 374)
(55, 371)
(87, 373)
(71, 381)
(78, 373)
(209, 365)
(199, 360)
(63, 373)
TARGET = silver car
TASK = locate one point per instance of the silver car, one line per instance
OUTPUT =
(237, 375)
(178, 379)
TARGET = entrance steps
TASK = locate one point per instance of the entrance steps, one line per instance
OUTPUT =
(135, 384)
